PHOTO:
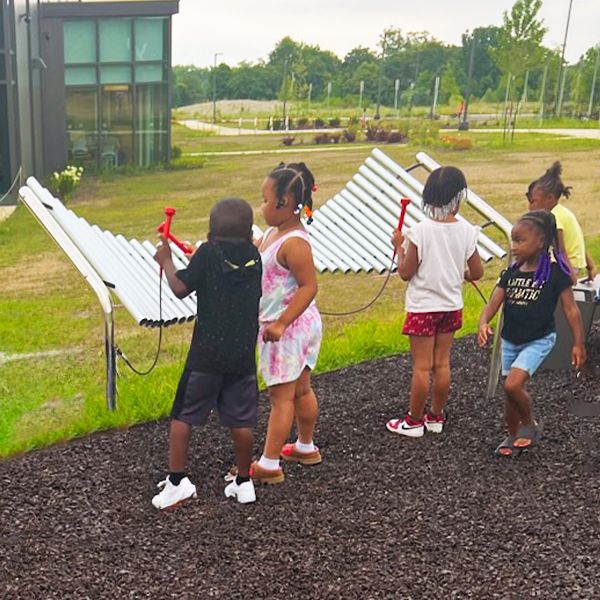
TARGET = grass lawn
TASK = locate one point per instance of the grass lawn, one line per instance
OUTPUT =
(47, 307)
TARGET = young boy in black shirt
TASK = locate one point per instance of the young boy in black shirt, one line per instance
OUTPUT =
(220, 370)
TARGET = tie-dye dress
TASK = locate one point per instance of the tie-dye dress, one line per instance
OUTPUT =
(284, 361)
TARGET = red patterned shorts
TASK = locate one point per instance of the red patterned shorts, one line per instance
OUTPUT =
(429, 324)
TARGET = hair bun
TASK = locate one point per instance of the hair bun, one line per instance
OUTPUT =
(555, 170)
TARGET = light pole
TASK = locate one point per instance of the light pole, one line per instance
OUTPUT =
(215, 86)
(285, 66)
(464, 125)
(380, 81)
(559, 81)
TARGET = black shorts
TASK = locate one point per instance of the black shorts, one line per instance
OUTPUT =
(234, 396)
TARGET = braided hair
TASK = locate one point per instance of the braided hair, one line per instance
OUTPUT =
(545, 223)
(297, 180)
(444, 189)
(551, 182)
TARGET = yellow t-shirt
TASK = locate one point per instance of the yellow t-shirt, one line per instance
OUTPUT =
(572, 234)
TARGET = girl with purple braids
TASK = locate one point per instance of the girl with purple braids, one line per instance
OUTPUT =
(530, 290)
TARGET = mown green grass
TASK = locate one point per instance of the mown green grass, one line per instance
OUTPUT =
(46, 305)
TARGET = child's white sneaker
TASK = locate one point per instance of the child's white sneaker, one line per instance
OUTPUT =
(434, 423)
(172, 495)
(244, 492)
(407, 426)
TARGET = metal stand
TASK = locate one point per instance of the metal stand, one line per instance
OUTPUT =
(30, 197)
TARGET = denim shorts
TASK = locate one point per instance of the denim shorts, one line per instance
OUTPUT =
(529, 356)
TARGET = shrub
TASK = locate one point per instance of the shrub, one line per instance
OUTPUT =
(349, 135)
(288, 140)
(176, 152)
(303, 123)
(319, 123)
(456, 143)
(186, 163)
(63, 183)
(352, 121)
(334, 122)
(424, 132)
(396, 137)
(321, 138)
(335, 137)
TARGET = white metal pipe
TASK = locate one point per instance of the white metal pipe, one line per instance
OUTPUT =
(321, 237)
(414, 210)
(151, 274)
(378, 226)
(147, 286)
(369, 251)
(189, 302)
(330, 260)
(342, 207)
(344, 242)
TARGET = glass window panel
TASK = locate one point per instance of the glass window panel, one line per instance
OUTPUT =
(149, 73)
(82, 127)
(80, 75)
(116, 136)
(151, 120)
(79, 42)
(114, 74)
(2, 67)
(115, 40)
(4, 142)
(149, 39)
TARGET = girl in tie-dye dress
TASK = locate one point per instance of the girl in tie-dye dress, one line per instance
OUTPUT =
(290, 324)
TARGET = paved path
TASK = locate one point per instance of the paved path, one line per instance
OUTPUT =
(296, 150)
(231, 131)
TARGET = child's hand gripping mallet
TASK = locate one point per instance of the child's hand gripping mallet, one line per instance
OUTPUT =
(185, 248)
(165, 229)
(404, 205)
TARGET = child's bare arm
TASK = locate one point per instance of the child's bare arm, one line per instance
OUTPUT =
(591, 267)
(295, 254)
(573, 316)
(474, 269)
(164, 259)
(408, 261)
(487, 314)
(562, 249)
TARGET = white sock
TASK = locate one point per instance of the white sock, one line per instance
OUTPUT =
(270, 464)
(306, 448)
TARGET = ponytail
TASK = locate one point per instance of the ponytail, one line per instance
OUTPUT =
(297, 180)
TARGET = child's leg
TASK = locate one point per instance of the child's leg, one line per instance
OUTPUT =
(511, 415)
(242, 446)
(280, 419)
(179, 441)
(441, 371)
(516, 393)
(421, 349)
(306, 408)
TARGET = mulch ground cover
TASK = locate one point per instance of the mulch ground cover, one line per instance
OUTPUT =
(381, 517)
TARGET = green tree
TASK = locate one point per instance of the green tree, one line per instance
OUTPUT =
(519, 46)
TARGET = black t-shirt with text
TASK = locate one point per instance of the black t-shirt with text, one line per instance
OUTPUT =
(226, 277)
(528, 309)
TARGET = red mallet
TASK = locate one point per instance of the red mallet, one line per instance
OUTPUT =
(185, 248)
(404, 202)
(165, 228)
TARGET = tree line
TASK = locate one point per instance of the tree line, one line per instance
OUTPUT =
(495, 64)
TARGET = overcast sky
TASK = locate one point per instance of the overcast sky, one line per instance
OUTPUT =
(248, 30)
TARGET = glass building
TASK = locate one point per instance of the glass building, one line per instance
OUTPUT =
(84, 83)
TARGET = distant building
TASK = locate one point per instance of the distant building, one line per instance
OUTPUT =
(83, 83)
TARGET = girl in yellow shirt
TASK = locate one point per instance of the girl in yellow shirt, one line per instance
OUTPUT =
(545, 193)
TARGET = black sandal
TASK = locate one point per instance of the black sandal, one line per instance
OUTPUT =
(507, 449)
(530, 434)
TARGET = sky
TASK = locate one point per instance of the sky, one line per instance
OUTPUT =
(248, 30)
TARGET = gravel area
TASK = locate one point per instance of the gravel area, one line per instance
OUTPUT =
(381, 517)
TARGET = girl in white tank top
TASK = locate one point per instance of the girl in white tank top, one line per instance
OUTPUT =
(290, 328)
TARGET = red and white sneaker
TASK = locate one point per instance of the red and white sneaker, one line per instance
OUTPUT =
(434, 423)
(407, 426)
